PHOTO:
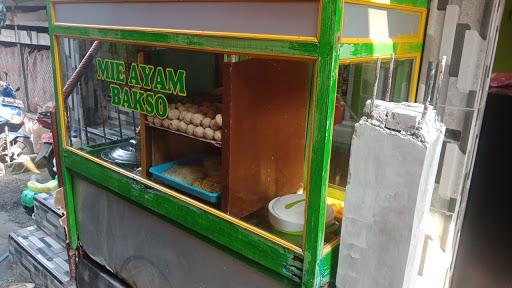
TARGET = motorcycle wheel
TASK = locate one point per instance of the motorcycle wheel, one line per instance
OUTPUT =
(50, 166)
(25, 147)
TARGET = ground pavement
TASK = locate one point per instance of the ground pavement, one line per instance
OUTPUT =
(12, 216)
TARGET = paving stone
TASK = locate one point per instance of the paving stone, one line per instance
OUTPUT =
(36, 259)
(47, 217)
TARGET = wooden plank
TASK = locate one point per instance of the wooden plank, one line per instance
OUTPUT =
(267, 128)
(225, 68)
(145, 147)
(145, 134)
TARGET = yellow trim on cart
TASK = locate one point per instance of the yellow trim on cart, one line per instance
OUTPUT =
(195, 32)
(374, 58)
(384, 4)
(400, 39)
(415, 79)
(58, 72)
(309, 145)
(329, 246)
(52, 13)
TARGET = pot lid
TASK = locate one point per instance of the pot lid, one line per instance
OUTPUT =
(127, 153)
(291, 208)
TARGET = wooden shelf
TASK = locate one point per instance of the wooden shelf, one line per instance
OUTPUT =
(263, 156)
(213, 142)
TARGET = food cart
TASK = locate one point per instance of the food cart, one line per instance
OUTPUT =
(206, 144)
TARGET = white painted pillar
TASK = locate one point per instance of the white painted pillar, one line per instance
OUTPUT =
(388, 197)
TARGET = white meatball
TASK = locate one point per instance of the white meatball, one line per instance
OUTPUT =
(208, 133)
(182, 115)
(182, 126)
(197, 119)
(173, 114)
(188, 118)
(217, 135)
(174, 124)
(199, 132)
(214, 125)
(218, 120)
(206, 122)
(190, 129)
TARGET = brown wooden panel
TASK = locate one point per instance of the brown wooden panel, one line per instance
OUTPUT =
(169, 146)
(266, 122)
(145, 135)
(145, 147)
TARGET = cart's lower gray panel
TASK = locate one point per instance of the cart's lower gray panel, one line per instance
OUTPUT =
(146, 251)
(89, 274)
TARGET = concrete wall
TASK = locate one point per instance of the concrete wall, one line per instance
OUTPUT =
(38, 74)
(24, 37)
(388, 197)
(32, 20)
(465, 31)
(25, 53)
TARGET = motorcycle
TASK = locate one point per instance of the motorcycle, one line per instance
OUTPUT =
(13, 144)
(46, 151)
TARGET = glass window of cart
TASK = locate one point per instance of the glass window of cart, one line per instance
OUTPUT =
(356, 83)
(227, 131)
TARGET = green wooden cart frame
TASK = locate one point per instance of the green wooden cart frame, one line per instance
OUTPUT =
(313, 265)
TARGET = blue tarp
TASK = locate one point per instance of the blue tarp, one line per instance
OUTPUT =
(3, 13)
(6, 90)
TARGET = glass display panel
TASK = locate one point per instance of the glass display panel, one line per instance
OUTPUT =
(376, 23)
(227, 131)
(355, 88)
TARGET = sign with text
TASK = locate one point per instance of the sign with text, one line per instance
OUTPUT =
(140, 89)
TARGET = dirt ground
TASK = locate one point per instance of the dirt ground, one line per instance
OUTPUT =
(12, 216)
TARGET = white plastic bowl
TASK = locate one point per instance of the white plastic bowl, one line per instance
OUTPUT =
(286, 213)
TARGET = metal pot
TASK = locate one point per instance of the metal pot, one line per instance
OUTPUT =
(126, 153)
